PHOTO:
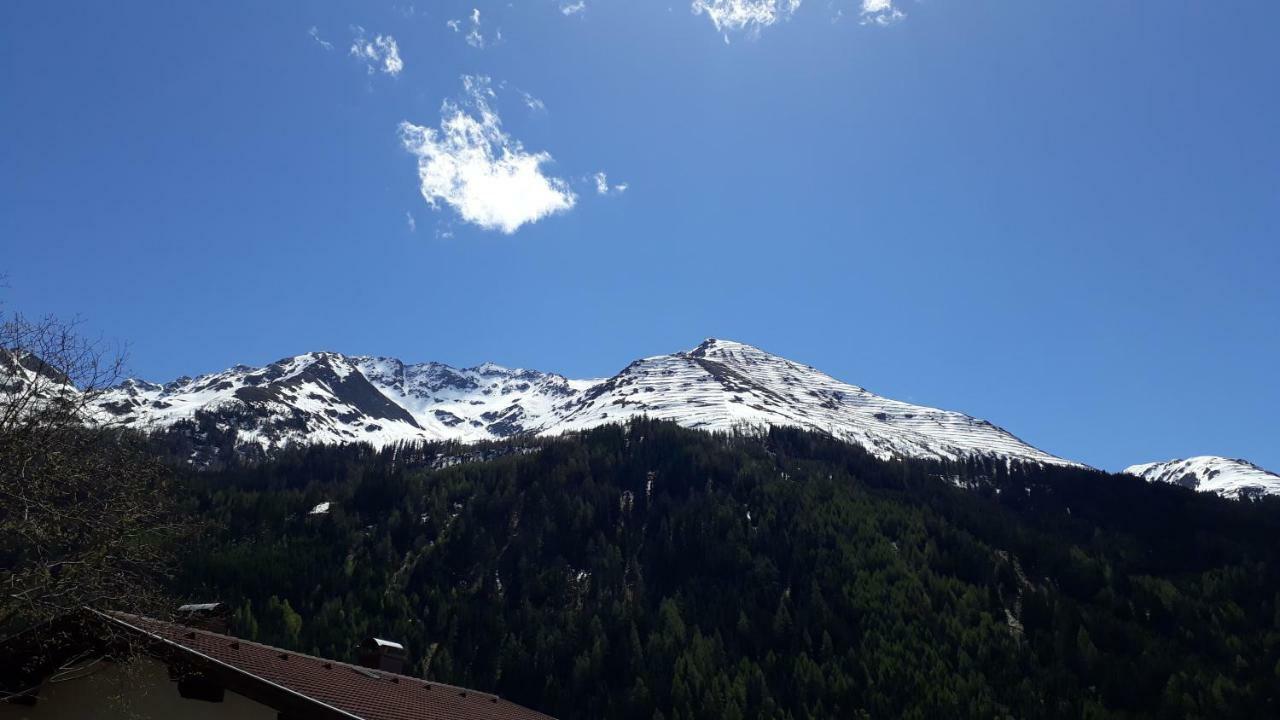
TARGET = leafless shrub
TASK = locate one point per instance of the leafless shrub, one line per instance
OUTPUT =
(86, 517)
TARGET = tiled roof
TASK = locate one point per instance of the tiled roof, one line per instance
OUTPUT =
(358, 691)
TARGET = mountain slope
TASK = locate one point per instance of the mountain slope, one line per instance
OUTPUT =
(1209, 473)
(645, 570)
(719, 385)
(313, 398)
(480, 403)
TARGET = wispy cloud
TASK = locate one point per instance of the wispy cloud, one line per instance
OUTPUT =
(573, 8)
(474, 38)
(410, 221)
(380, 53)
(475, 35)
(880, 12)
(744, 15)
(472, 165)
(314, 32)
(534, 104)
(603, 187)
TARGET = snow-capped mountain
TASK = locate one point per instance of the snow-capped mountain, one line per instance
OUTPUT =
(314, 398)
(480, 403)
(29, 385)
(719, 385)
(1209, 473)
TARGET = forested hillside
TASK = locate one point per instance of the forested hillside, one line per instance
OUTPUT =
(648, 571)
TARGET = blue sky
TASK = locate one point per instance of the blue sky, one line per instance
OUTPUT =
(1063, 217)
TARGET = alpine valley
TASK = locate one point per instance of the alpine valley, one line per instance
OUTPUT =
(585, 548)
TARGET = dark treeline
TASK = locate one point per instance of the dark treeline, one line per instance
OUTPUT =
(647, 571)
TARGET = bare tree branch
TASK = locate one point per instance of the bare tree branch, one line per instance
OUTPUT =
(86, 516)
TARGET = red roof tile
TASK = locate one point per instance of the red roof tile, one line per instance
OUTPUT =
(362, 692)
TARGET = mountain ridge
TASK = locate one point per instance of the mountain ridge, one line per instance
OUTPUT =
(1228, 477)
(719, 385)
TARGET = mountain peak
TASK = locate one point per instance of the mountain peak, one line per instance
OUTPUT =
(718, 347)
(1228, 477)
(724, 385)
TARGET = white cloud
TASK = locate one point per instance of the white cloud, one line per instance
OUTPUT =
(533, 103)
(380, 53)
(880, 12)
(314, 32)
(474, 37)
(749, 15)
(602, 185)
(413, 224)
(569, 8)
(472, 165)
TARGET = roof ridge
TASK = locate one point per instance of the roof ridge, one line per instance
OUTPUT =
(120, 617)
(353, 666)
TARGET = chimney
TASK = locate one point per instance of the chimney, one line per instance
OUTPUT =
(204, 616)
(380, 654)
